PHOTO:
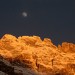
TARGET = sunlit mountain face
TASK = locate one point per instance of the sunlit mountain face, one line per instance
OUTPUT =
(29, 55)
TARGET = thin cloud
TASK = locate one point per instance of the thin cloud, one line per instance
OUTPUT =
(24, 14)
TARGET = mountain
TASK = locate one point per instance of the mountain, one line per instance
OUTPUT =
(29, 55)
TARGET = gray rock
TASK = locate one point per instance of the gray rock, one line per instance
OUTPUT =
(6, 68)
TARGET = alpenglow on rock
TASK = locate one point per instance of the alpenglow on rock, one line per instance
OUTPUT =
(29, 55)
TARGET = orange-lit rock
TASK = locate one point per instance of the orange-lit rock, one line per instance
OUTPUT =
(67, 47)
(41, 56)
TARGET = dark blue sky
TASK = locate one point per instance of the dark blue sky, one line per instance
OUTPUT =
(54, 19)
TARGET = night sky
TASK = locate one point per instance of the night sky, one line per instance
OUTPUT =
(54, 19)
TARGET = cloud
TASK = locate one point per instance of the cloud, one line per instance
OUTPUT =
(24, 14)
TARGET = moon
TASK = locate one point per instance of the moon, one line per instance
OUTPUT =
(24, 14)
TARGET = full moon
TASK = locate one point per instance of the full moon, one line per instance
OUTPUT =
(24, 14)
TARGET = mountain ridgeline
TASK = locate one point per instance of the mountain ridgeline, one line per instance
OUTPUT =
(29, 55)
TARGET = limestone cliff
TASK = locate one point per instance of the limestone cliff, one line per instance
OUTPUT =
(41, 56)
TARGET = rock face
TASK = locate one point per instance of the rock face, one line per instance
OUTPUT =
(67, 47)
(29, 55)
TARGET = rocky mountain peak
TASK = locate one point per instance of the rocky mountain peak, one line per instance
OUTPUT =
(29, 55)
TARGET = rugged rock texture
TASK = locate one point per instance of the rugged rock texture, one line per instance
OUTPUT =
(29, 55)
(67, 47)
